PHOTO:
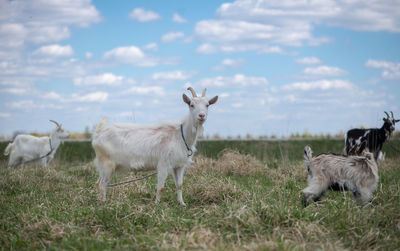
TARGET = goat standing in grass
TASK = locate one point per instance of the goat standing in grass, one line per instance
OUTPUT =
(356, 140)
(359, 173)
(28, 148)
(167, 147)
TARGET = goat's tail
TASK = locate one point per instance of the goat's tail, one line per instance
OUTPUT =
(8, 149)
(307, 158)
(100, 126)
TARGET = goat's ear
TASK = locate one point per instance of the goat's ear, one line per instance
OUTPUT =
(213, 100)
(397, 120)
(384, 119)
(186, 99)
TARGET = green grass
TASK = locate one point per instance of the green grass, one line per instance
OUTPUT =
(234, 201)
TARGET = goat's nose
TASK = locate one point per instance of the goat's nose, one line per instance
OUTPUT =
(202, 115)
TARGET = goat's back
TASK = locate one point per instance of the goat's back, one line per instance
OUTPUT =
(134, 145)
(31, 145)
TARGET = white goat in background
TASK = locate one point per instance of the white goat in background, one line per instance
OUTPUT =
(28, 148)
(167, 147)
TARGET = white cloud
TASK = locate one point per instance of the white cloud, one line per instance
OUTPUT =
(23, 104)
(206, 49)
(4, 115)
(147, 90)
(172, 75)
(38, 22)
(130, 55)
(308, 60)
(390, 70)
(151, 47)
(143, 15)
(172, 37)
(324, 71)
(229, 63)
(238, 80)
(54, 50)
(88, 55)
(91, 97)
(102, 79)
(178, 19)
(15, 91)
(52, 95)
(319, 85)
(253, 24)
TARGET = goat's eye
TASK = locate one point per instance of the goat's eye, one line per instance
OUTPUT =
(207, 105)
(192, 106)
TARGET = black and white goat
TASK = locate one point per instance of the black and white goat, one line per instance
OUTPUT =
(371, 140)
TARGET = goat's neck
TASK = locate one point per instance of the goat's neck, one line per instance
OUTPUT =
(191, 130)
(384, 134)
(55, 141)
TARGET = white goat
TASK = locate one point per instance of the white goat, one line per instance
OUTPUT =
(28, 148)
(167, 147)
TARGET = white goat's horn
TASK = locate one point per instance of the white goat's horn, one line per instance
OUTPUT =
(193, 92)
(55, 122)
(204, 92)
(387, 115)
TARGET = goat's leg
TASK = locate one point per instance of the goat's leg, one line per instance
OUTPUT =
(162, 174)
(106, 169)
(14, 160)
(178, 175)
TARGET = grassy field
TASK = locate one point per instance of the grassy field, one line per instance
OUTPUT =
(246, 198)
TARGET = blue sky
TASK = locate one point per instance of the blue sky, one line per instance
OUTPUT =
(279, 67)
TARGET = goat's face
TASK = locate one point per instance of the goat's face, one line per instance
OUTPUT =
(59, 131)
(390, 122)
(198, 106)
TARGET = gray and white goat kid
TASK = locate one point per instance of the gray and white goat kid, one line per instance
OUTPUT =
(167, 147)
(28, 148)
(359, 173)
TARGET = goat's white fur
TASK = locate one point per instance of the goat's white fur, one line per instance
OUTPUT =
(146, 147)
(358, 173)
(27, 147)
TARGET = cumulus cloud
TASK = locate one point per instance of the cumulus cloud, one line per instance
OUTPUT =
(238, 80)
(130, 55)
(309, 60)
(151, 47)
(143, 15)
(26, 22)
(172, 75)
(15, 91)
(172, 37)
(390, 70)
(319, 85)
(178, 19)
(229, 63)
(157, 90)
(324, 71)
(54, 50)
(4, 115)
(91, 97)
(291, 23)
(23, 104)
(102, 79)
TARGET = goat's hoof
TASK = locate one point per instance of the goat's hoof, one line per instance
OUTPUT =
(182, 203)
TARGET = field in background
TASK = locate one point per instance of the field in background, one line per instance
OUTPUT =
(243, 199)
